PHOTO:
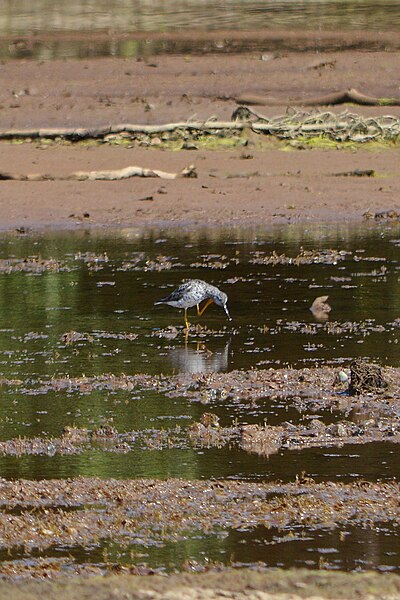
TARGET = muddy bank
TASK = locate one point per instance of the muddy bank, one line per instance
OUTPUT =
(248, 181)
(164, 89)
(238, 585)
(241, 186)
(361, 411)
(86, 512)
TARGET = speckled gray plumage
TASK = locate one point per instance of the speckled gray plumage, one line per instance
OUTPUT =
(192, 293)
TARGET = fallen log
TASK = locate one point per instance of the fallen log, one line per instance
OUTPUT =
(82, 133)
(295, 123)
(111, 175)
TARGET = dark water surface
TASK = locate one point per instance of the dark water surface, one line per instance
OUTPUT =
(24, 17)
(104, 288)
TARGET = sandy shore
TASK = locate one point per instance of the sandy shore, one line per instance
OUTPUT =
(271, 187)
(242, 185)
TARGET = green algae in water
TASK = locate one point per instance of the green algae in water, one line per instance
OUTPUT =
(103, 289)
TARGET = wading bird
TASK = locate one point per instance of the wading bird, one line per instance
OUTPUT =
(193, 293)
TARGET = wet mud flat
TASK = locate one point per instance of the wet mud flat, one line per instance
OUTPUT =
(280, 182)
(121, 524)
(331, 411)
(190, 457)
(85, 512)
(48, 526)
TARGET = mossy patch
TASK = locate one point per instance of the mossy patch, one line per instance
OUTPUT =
(326, 143)
(220, 140)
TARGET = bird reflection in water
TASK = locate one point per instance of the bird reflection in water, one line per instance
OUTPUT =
(199, 359)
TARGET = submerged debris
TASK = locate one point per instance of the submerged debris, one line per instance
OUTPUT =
(305, 257)
(366, 377)
(86, 511)
(261, 440)
(384, 215)
(209, 420)
(31, 264)
(70, 337)
(320, 308)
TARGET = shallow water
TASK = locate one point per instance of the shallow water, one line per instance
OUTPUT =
(346, 548)
(104, 288)
(22, 17)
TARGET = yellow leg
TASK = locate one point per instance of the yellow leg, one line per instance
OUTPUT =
(186, 320)
(200, 312)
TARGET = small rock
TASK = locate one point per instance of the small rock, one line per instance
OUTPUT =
(341, 377)
(189, 146)
(320, 308)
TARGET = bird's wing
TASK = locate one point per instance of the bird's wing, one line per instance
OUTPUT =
(177, 293)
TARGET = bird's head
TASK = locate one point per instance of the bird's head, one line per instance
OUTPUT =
(222, 300)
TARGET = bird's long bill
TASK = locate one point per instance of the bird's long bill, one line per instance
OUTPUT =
(227, 312)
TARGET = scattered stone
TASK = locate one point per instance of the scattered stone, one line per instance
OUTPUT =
(385, 215)
(187, 145)
(340, 378)
(357, 173)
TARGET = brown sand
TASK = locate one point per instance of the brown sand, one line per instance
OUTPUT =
(268, 186)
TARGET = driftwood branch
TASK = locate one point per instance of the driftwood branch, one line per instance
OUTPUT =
(293, 124)
(342, 97)
(77, 134)
(342, 127)
(114, 175)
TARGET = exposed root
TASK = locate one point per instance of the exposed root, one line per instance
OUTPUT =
(366, 377)
(342, 127)
(292, 125)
